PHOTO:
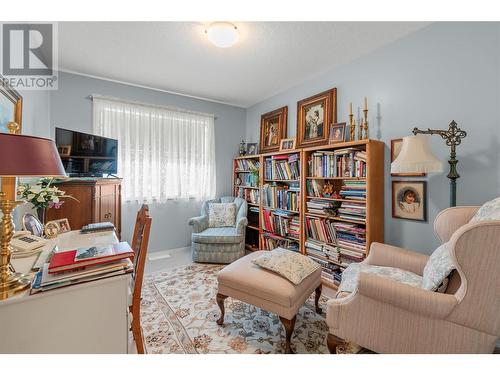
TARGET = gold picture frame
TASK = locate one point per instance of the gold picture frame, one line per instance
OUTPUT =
(273, 129)
(288, 144)
(11, 107)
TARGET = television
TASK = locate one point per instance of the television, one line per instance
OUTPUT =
(85, 154)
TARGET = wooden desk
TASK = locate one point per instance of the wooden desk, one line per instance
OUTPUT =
(83, 318)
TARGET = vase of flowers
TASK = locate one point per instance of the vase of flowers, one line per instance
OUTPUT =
(42, 195)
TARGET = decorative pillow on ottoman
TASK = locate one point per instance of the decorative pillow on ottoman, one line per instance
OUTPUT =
(293, 266)
(221, 215)
(488, 211)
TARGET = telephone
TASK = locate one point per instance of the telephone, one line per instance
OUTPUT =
(25, 244)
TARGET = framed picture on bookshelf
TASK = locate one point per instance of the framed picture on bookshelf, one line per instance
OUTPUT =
(252, 149)
(314, 116)
(337, 133)
(273, 129)
(287, 144)
(396, 145)
(409, 200)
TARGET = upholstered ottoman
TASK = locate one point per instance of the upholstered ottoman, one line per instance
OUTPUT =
(252, 284)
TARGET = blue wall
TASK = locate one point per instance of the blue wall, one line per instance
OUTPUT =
(444, 72)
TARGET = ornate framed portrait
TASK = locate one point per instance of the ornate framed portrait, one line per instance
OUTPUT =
(409, 200)
(273, 129)
(11, 106)
(396, 145)
(314, 116)
(337, 133)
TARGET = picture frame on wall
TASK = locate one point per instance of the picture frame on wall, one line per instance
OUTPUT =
(409, 200)
(337, 133)
(396, 145)
(287, 144)
(273, 129)
(11, 106)
(314, 116)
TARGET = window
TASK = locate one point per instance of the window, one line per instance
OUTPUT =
(162, 153)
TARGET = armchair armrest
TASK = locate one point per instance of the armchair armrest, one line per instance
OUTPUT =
(241, 224)
(392, 256)
(199, 223)
(419, 301)
(448, 221)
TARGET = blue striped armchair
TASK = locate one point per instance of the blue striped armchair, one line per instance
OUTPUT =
(219, 245)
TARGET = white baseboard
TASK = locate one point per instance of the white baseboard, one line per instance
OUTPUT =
(163, 254)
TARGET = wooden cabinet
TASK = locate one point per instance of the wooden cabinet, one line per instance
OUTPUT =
(99, 199)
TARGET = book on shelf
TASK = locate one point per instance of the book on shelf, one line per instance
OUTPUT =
(247, 165)
(89, 256)
(322, 207)
(321, 230)
(250, 195)
(347, 162)
(272, 241)
(355, 190)
(247, 179)
(282, 223)
(282, 167)
(283, 197)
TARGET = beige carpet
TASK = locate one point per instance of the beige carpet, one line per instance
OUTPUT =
(179, 313)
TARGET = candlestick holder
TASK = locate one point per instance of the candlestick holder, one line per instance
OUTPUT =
(352, 128)
(360, 130)
(365, 123)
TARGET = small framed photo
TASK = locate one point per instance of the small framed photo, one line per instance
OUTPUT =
(337, 133)
(64, 150)
(396, 145)
(63, 225)
(252, 149)
(287, 144)
(51, 229)
(409, 200)
(33, 225)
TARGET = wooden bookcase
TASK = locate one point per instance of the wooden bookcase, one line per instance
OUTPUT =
(242, 188)
(373, 202)
(373, 180)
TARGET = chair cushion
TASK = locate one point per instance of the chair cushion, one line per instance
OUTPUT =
(437, 269)
(221, 215)
(217, 235)
(291, 265)
(488, 211)
(350, 276)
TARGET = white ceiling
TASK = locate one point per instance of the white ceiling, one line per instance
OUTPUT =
(175, 56)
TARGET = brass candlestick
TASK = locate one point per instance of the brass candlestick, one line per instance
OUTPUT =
(352, 128)
(360, 130)
(365, 123)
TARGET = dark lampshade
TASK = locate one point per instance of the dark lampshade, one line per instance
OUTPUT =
(23, 155)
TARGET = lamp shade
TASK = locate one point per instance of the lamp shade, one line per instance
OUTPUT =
(416, 157)
(23, 155)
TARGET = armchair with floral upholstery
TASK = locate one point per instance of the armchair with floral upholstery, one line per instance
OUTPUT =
(388, 311)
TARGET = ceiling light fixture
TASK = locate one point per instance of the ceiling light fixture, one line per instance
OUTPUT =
(222, 34)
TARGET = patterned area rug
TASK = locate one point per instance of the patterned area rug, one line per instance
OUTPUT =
(179, 315)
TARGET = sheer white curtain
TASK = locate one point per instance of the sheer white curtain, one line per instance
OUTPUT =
(162, 153)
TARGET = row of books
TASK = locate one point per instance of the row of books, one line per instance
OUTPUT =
(271, 242)
(321, 230)
(283, 197)
(352, 211)
(82, 265)
(322, 207)
(282, 223)
(250, 195)
(354, 189)
(332, 254)
(347, 162)
(282, 167)
(248, 179)
(351, 235)
(247, 164)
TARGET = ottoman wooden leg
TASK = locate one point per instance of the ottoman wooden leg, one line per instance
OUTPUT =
(316, 298)
(332, 342)
(289, 326)
(220, 301)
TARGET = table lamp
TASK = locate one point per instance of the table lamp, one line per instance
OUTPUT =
(20, 156)
(416, 156)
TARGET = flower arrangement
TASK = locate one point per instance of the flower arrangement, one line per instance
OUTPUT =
(42, 195)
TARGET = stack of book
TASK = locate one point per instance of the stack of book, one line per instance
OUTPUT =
(349, 256)
(282, 223)
(352, 236)
(321, 207)
(354, 190)
(330, 271)
(322, 250)
(347, 162)
(247, 164)
(271, 241)
(250, 195)
(283, 197)
(282, 167)
(83, 265)
(352, 211)
(321, 230)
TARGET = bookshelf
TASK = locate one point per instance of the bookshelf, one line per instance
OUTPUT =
(246, 185)
(338, 229)
(280, 204)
